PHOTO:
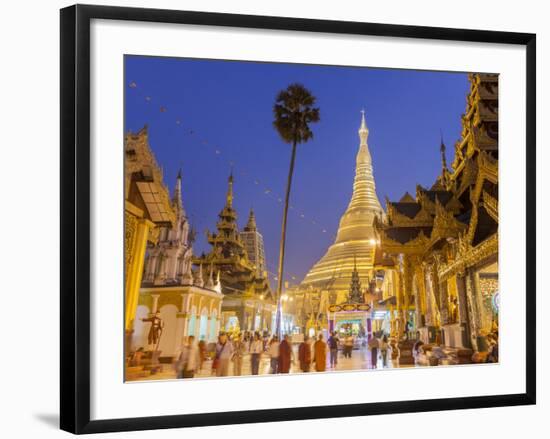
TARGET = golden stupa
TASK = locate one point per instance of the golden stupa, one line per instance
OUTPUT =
(355, 238)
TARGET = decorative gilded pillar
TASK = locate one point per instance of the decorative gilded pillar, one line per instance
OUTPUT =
(473, 316)
(402, 303)
(136, 234)
(408, 287)
(432, 295)
(444, 302)
(480, 310)
(420, 272)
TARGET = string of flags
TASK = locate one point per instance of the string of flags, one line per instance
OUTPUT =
(217, 151)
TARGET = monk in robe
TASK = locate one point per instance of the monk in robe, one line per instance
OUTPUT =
(285, 355)
(304, 355)
(320, 354)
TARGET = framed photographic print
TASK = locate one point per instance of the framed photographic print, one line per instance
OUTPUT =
(326, 211)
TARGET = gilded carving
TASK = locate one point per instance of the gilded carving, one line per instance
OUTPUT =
(130, 227)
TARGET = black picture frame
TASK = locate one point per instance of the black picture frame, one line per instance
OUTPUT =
(75, 217)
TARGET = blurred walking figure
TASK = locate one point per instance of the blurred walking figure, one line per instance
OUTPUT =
(373, 346)
(137, 357)
(189, 360)
(202, 352)
(384, 348)
(311, 341)
(239, 351)
(224, 353)
(348, 346)
(273, 351)
(285, 355)
(333, 345)
(320, 354)
(304, 355)
(256, 349)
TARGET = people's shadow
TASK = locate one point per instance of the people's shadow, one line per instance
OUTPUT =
(50, 419)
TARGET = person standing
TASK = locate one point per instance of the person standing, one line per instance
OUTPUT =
(304, 355)
(285, 355)
(333, 346)
(311, 342)
(189, 360)
(320, 354)
(348, 346)
(256, 349)
(273, 352)
(202, 352)
(373, 348)
(384, 347)
(239, 351)
(224, 353)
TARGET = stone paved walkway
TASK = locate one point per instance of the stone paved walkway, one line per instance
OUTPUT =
(360, 359)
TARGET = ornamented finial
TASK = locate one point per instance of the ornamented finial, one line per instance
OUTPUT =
(210, 281)
(188, 275)
(229, 199)
(199, 281)
(218, 286)
(251, 224)
(363, 130)
(177, 200)
(442, 150)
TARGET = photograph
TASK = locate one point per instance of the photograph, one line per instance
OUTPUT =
(286, 218)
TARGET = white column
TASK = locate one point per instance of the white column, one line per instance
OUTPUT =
(197, 326)
(180, 330)
(185, 302)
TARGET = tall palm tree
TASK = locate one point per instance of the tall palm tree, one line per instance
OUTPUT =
(293, 111)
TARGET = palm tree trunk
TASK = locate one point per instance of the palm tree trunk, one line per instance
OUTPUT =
(283, 240)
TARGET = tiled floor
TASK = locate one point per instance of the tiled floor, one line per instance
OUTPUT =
(360, 359)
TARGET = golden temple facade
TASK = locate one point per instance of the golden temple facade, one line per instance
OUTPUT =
(355, 241)
(444, 240)
(147, 206)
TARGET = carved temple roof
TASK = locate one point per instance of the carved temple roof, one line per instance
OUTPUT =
(229, 256)
(408, 209)
(144, 184)
(462, 205)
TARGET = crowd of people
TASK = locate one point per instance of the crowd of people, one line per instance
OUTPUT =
(312, 353)
(231, 352)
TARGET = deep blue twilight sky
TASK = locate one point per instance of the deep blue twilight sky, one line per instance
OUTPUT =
(205, 115)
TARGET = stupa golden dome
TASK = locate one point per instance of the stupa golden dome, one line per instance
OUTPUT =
(355, 239)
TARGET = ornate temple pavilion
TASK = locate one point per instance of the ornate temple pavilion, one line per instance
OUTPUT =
(248, 304)
(444, 241)
(355, 240)
(158, 262)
